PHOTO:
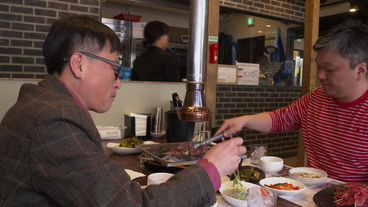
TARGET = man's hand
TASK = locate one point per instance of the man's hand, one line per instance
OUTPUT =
(225, 155)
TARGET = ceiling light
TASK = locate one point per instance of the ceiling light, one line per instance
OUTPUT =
(353, 8)
(268, 25)
(259, 31)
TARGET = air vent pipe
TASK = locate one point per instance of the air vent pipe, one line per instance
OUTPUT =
(194, 108)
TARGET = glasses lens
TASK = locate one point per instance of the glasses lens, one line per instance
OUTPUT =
(117, 72)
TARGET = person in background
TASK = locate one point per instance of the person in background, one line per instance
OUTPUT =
(50, 148)
(334, 116)
(157, 63)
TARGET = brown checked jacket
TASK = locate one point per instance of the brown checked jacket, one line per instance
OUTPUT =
(51, 155)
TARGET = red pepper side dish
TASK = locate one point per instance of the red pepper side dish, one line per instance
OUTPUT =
(283, 186)
(351, 194)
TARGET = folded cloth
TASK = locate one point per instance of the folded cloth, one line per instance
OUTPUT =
(133, 174)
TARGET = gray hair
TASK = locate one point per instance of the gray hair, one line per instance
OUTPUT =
(349, 39)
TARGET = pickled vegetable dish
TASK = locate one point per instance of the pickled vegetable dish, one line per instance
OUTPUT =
(130, 142)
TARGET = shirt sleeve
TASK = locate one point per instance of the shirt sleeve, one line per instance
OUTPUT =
(289, 117)
(212, 173)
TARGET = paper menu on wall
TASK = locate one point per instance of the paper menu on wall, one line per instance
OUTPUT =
(227, 74)
(248, 73)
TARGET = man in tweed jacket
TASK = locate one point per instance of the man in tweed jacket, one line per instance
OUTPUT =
(50, 149)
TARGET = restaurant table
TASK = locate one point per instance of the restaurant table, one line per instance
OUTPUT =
(131, 162)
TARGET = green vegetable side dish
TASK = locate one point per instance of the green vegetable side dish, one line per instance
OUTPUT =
(238, 191)
(130, 142)
(249, 175)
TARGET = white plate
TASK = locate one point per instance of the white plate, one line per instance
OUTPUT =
(308, 181)
(274, 180)
(124, 150)
(233, 201)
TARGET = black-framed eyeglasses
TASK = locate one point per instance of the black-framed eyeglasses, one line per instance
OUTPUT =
(119, 66)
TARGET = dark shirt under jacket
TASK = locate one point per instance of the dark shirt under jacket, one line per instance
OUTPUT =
(156, 65)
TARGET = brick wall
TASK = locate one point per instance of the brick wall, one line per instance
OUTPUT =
(24, 25)
(234, 101)
(291, 10)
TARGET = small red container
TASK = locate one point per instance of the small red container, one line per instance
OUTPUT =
(128, 17)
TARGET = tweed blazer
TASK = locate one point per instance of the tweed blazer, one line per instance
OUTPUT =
(51, 155)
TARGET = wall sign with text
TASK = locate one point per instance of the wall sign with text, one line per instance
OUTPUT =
(248, 74)
(227, 74)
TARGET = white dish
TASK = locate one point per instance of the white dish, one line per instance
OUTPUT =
(274, 180)
(308, 181)
(124, 150)
(233, 201)
(158, 135)
(157, 178)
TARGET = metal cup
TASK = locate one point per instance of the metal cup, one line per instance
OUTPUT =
(157, 120)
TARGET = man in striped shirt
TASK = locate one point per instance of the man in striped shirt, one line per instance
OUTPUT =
(333, 117)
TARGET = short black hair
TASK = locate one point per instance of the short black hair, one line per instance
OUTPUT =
(73, 34)
(154, 30)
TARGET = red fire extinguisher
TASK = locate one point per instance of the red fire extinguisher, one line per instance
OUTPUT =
(213, 53)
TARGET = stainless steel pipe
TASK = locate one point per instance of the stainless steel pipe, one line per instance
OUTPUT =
(194, 108)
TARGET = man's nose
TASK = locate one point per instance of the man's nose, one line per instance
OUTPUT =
(321, 74)
(118, 83)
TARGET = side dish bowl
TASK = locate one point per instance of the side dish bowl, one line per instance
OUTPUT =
(158, 178)
(158, 135)
(275, 180)
(308, 176)
(247, 176)
(271, 164)
(124, 150)
(233, 201)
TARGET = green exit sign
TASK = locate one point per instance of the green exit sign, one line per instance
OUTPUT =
(212, 39)
(250, 21)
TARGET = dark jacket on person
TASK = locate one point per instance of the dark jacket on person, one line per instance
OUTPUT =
(51, 155)
(156, 65)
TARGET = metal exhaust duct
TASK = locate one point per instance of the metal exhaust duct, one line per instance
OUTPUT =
(194, 108)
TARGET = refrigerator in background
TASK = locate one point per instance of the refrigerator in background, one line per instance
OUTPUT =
(123, 30)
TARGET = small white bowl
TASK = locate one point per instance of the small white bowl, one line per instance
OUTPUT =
(271, 164)
(157, 178)
(233, 201)
(308, 181)
(274, 180)
(158, 135)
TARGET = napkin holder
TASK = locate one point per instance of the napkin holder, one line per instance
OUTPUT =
(130, 123)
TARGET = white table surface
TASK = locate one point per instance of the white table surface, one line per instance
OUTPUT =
(305, 198)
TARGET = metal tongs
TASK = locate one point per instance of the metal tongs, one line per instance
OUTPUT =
(208, 141)
(215, 138)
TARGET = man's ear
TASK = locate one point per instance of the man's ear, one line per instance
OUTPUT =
(362, 70)
(75, 63)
